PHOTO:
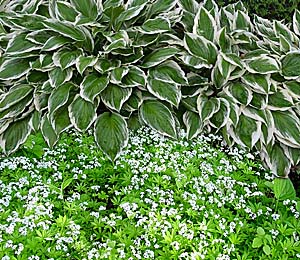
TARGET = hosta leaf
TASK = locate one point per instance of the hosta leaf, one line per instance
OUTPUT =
(65, 58)
(13, 69)
(160, 6)
(280, 100)
(233, 59)
(92, 85)
(192, 123)
(156, 25)
(114, 96)
(293, 87)
(48, 132)
(58, 76)
(134, 77)
(240, 93)
(223, 40)
(87, 8)
(111, 134)
(207, 107)
(65, 11)
(281, 29)
(220, 118)
(66, 29)
(159, 117)
(248, 131)
(200, 47)
(59, 97)
(190, 6)
(242, 21)
(14, 95)
(263, 65)
(291, 65)
(284, 189)
(55, 42)
(287, 126)
(194, 62)
(105, 65)
(15, 135)
(259, 83)
(224, 67)
(60, 119)
(217, 78)
(169, 71)
(130, 13)
(117, 75)
(82, 113)
(158, 56)
(19, 44)
(164, 91)
(82, 63)
(134, 102)
(296, 22)
(205, 24)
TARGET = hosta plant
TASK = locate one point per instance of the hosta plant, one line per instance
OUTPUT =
(113, 65)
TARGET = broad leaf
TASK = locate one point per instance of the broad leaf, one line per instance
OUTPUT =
(205, 24)
(82, 113)
(13, 69)
(156, 25)
(58, 76)
(284, 189)
(159, 117)
(114, 96)
(263, 65)
(111, 134)
(165, 90)
(192, 123)
(82, 63)
(65, 58)
(48, 132)
(158, 56)
(291, 65)
(92, 85)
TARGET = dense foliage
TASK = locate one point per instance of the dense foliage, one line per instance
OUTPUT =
(110, 65)
(270, 9)
(177, 200)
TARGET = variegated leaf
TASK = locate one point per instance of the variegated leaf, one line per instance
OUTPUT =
(192, 123)
(58, 76)
(65, 58)
(159, 56)
(114, 96)
(291, 65)
(83, 62)
(13, 69)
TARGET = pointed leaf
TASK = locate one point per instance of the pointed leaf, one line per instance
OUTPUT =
(13, 69)
(111, 134)
(156, 25)
(205, 24)
(82, 63)
(192, 123)
(263, 65)
(92, 85)
(65, 58)
(158, 56)
(48, 132)
(82, 113)
(114, 96)
(159, 117)
(291, 65)
(58, 76)
(284, 189)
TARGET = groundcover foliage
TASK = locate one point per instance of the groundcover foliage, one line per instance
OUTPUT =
(161, 200)
(113, 65)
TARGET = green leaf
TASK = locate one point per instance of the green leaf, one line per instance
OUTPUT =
(248, 131)
(201, 47)
(159, 56)
(161, 6)
(82, 63)
(82, 113)
(257, 242)
(117, 75)
(267, 249)
(169, 71)
(220, 118)
(65, 11)
(287, 126)
(280, 100)
(205, 24)
(263, 65)
(14, 95)
(284, 189)
(87, 8)
(291, 65)
(65, 58)
(159, 117)
(293, 87)
(111, 134)
(19, 44)
(59, 97)
(259, 83)
(92, 85)
(66, 183)
(164, 91)
(240, 93)
(15, 135)
(58, 76)
(114, 96)
(135, 77)
(55, 42)
(66, 29)
(277, 161)
(60, 119)
(192, 123)
(207, 108)
(260, 231)
(296, 22)
(156, 25)
(48, 131)
(14, 69)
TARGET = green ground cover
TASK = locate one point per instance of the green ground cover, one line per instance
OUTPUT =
(161, 199)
